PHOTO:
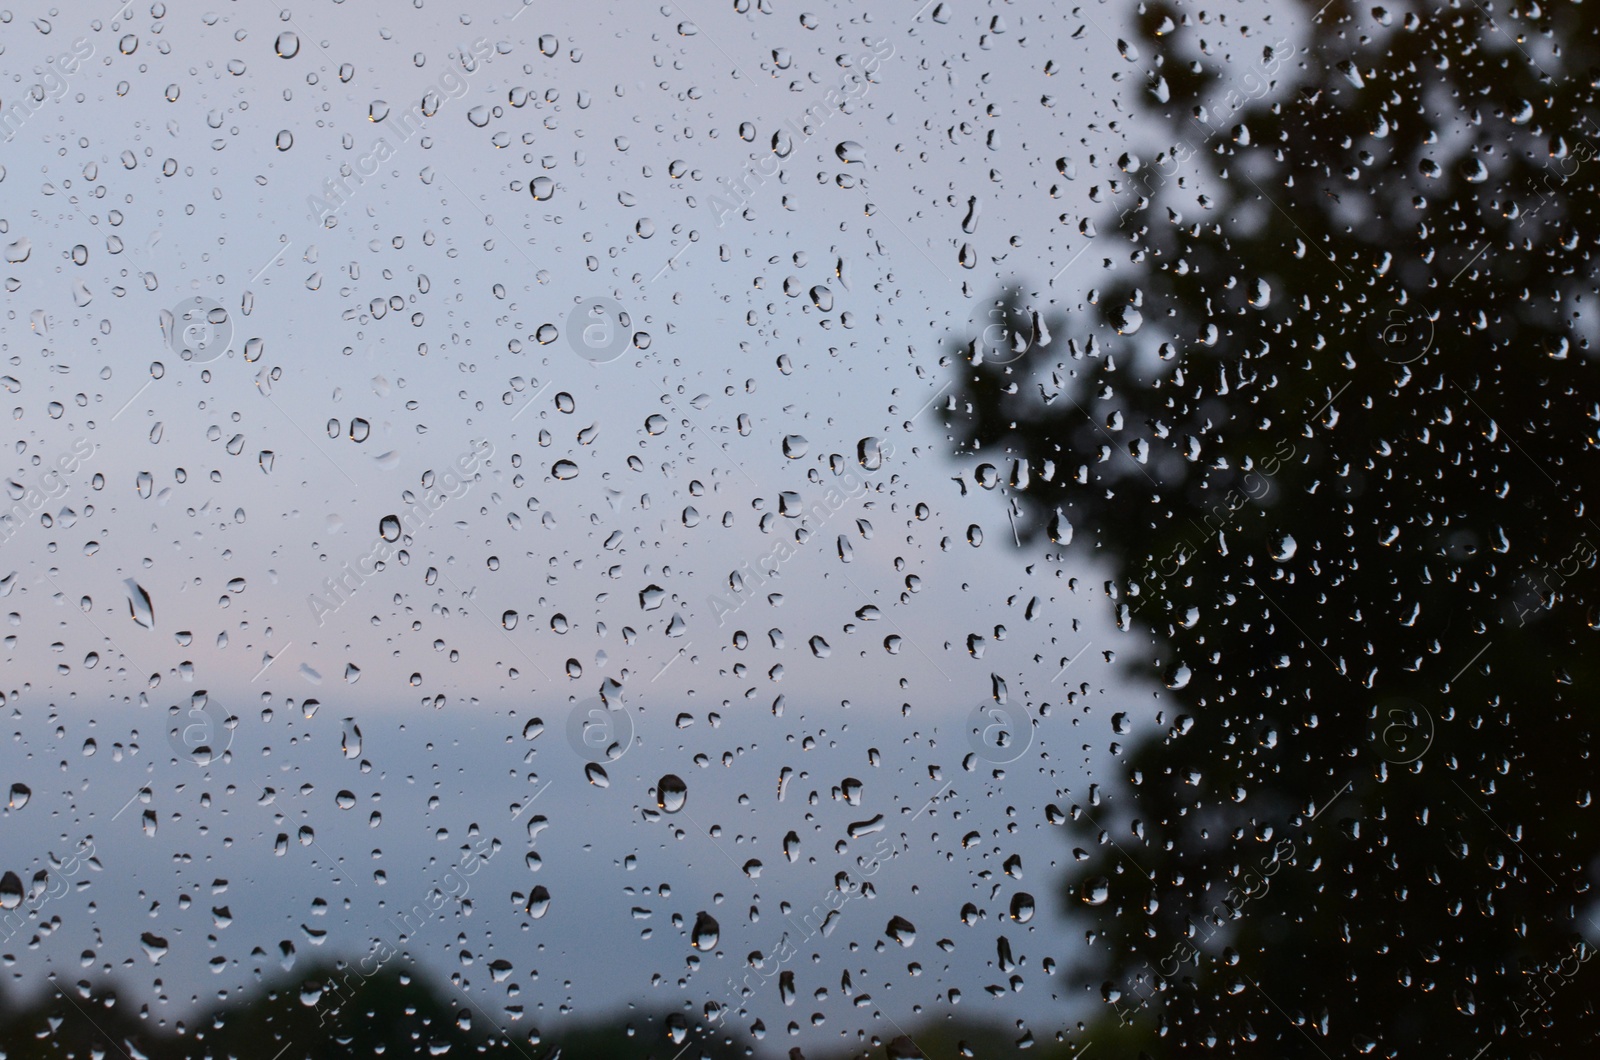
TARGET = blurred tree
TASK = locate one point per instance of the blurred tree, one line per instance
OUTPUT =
(1332, 428)
(329, 1010)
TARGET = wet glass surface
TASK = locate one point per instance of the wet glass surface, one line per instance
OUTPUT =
(743, 529)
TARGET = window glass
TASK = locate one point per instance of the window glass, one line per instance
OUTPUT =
(743, 529)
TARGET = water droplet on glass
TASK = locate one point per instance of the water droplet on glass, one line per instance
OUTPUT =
(10, 891)
(706, 931)
(155, 947)
(1126, 319)
(1022, 907)
(1060, 529)
(671, 793)
(140, 606)
(350, 739)
(869, 453)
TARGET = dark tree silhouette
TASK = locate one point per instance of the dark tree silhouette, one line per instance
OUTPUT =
(329, 1010)
(1333, 426)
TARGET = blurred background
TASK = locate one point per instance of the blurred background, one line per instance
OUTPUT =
(760, 530)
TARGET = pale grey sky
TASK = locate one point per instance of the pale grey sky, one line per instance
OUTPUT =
(178, 163)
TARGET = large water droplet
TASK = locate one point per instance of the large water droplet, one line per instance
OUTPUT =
(671, 793)
(350, 739)
(155, 947)
(140, 606)
(1126, 319)
(10, 891)
(706, 931)
(1060, 529)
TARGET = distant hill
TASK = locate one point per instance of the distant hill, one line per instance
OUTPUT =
(325, 1011)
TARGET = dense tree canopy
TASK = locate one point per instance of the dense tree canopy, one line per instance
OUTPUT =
(1332, 425)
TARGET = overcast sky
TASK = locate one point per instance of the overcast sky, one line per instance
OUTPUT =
(193, 548)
